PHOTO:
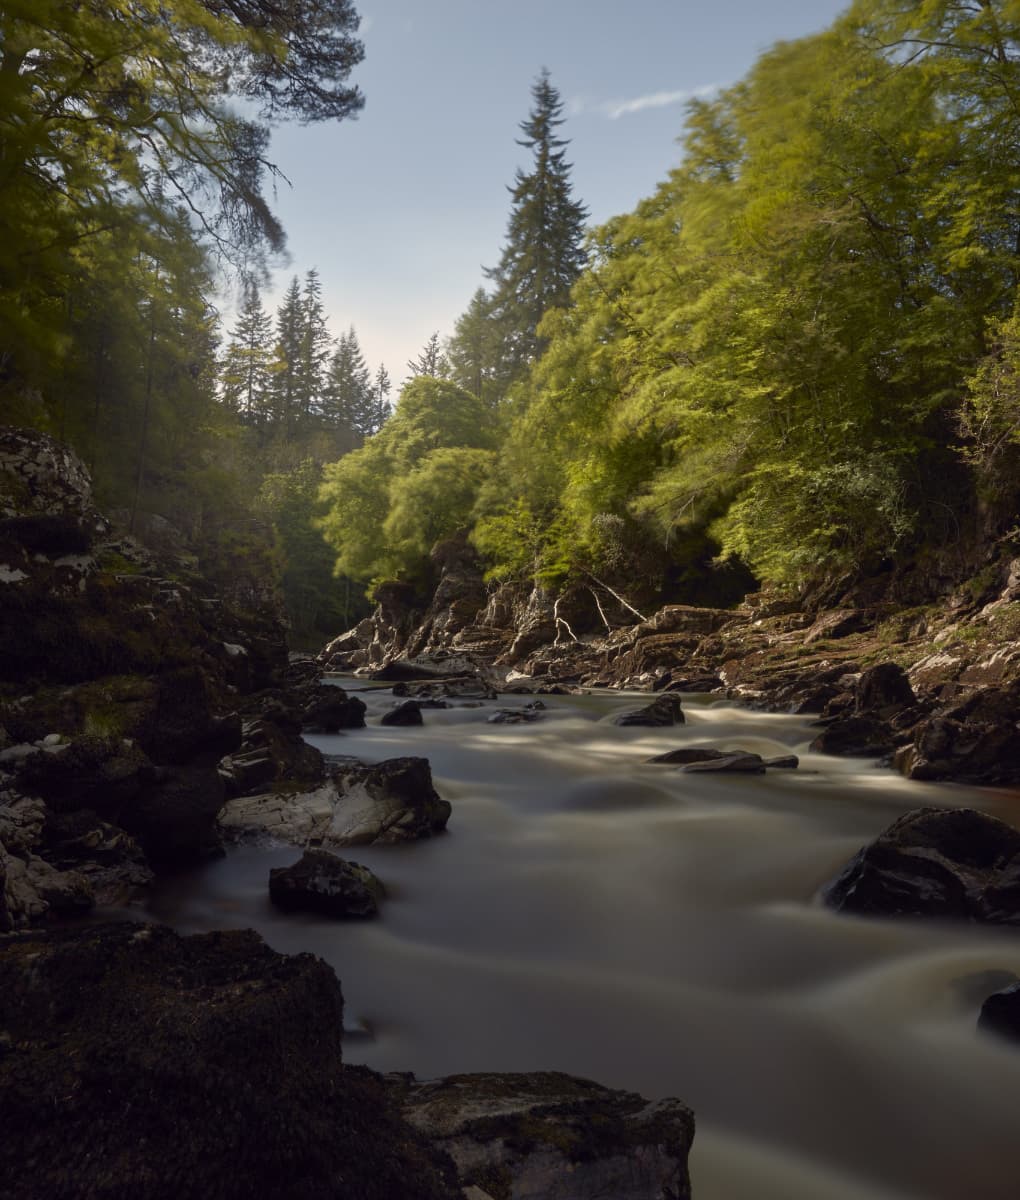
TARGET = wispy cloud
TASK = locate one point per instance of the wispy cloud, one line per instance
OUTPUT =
(614, 109)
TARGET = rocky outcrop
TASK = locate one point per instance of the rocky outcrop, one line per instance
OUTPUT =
(663, 711)
(933, 862)
(138, 1063)
(548, 1136)
(323, 883)
(393, 801)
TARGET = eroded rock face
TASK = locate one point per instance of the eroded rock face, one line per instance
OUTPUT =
(321, 882)
(933, 862)
(975, 740)
(548, 1136)
(393, 801)
(146, 1065)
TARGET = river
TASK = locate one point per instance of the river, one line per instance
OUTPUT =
(590, 912)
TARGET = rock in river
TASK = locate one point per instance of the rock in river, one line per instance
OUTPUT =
(321, 882)
(393, 801)
(935, 862)
(664, 710)
(548, 1136)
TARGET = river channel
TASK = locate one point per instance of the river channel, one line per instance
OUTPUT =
(590, 912)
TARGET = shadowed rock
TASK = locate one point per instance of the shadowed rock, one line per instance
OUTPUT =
(322, 882)
(664, 710)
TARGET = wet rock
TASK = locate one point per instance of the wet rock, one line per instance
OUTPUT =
(855, 737)
(783, 762)
(690, 684)
(272, 752)
(689, 754)
(666, 710)
(329, 709)
(747, 764)
(518, 716)
(462, 686)
(974, 740)
(840, 623)
(393, 801)
(956, 863)
(323, 883)
(102, 774)
(407, 713)
(548, 1136)
(151, 1066)
(1000, 1013)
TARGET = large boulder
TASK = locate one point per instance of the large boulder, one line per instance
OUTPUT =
(548, 1136)
(323, 883)
(137, 1063)
(974, 740)
(406, 713)
(393, 801)
(855, 737)
(935, 862)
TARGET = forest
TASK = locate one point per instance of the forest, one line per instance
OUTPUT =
(796, 364)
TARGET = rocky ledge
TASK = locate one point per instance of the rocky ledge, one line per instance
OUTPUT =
(137, 1063)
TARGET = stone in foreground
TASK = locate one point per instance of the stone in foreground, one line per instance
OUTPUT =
(1000, 1013)
(323, 883)
(955, 863)
(548, 1136)
(139, 1064)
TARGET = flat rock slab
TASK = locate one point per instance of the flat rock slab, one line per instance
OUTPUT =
(747, 764)
(321, 882)
(548, 1136)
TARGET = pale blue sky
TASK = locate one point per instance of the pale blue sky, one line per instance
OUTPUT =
(401, 208)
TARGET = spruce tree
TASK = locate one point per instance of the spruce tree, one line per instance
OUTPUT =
(431, 361)
(245, 375)
(543, 254)
(348, 396)
(314, 351)
(473, 351)
(380, 399)
(286, 390)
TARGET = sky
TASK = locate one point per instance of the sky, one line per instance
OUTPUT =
(401, 208)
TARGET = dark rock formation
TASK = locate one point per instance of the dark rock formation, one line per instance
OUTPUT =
(321, 882)
(855, 737)
(1000, 1013)
(666, 710)
(974, 740)
(141, 1064)
(747, 764)
(174, 819)
(549, 1136)
(933, 862)
(883, 689)
(518, 716)
(407, 713)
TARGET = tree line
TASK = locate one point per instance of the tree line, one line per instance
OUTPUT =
(796, 363)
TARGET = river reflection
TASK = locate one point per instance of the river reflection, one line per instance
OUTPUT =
(592, 913)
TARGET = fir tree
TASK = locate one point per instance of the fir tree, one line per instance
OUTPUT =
(348, 398)
(314, 350)
(431, 361)
(473, 351)
(543, 255)
(245, 376)
(380, 399)
(286, 391)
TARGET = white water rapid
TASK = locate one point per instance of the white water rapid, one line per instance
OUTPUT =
(592, 913)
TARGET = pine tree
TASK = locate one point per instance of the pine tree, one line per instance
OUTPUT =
(431, 361)
(314, 351)
(380, 399)
(245, 375)
(473, 351)
(348, 401)
(286, 390)
(543, 255)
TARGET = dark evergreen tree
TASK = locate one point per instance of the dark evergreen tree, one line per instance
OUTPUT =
(245, 376)
(473, 351)
(543, 255)
(380, 399)
(431, 361)
(286, 390)
(314, 354)
(348, 396)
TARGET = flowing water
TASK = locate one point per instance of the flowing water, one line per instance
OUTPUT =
(590, 912)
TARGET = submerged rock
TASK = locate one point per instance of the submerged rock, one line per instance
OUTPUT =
(518, 716)
(855, 737)
(548, 1136)
(747, 764)
(322, 882)
(664, 710)
(1000, 1013)
(934, 862)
